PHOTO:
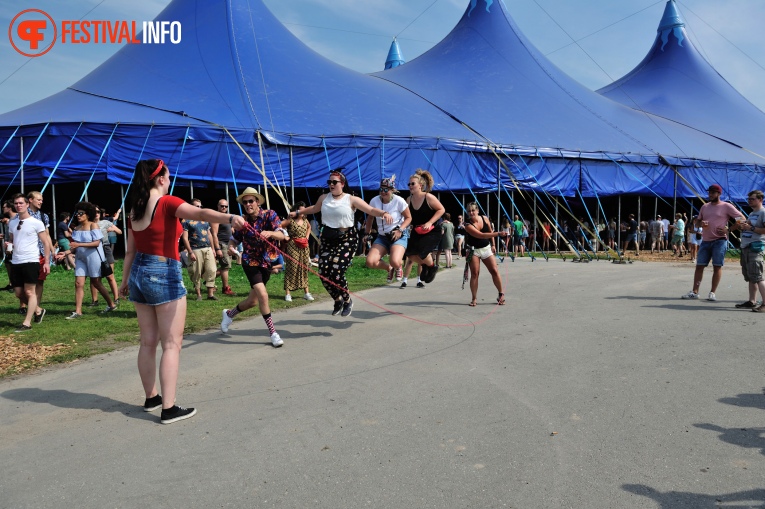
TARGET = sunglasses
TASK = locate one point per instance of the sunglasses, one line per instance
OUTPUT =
(80, 213)
(222, 206)
(410, 184)
(20, 223)
(334, 182)
(248, 202)
(385, 189)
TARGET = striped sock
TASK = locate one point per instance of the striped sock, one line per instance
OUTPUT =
(269, 323)
(233, 311)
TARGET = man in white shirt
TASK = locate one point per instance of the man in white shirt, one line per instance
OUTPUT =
(25, 232)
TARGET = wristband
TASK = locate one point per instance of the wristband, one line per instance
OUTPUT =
(231, 219)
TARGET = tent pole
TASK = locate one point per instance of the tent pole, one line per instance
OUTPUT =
(55, 215)
(263, 167)
(535, 216)
(499, 197)
(227, 194)
(637, 241)
(619, 231)
(191, 188)
(292, 177)
(557, 227)
(86, 192)
(674, 202)
(22, 163)
(123, 215)
(655, 207)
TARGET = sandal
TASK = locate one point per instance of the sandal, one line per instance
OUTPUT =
(472, 304)
(501, 299)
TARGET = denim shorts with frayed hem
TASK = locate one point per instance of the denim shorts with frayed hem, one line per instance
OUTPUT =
(713, 250)
(155, 280)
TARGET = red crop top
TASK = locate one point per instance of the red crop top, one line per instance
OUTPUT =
(160, 238)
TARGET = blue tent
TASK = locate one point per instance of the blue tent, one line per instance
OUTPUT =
(675, 82)
(242, 99)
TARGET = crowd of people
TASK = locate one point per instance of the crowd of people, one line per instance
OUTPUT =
(400, 233)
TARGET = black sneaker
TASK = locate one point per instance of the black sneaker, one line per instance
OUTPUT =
(22, 311)
(176, 413)
(39, 318)
(746, 305)
(24, 328)
(152, 404)
(93, 304)
(338, 307)
(403, 284)
(420, 284)
(429, 275)
(347, 307)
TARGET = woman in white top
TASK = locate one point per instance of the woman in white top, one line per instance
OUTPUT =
(391, 238)
(338, 238)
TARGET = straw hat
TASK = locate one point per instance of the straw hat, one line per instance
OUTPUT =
(251, 192)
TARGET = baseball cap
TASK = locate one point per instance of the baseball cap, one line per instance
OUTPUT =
(715, 187)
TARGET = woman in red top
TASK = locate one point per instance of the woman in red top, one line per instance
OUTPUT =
(152, 279)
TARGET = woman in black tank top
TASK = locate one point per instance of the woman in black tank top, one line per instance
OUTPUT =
(426, 210)
(480, 239)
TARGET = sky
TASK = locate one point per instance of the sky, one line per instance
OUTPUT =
(594, 41)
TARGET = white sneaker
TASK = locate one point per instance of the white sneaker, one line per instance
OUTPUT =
(712, 297)
(288, 298)
(276, 340)
(308, 296)
(691, 295)
(226, 321)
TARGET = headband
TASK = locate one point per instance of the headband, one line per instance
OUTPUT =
(159, 169)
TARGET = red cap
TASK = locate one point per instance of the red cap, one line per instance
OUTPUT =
(715, 187)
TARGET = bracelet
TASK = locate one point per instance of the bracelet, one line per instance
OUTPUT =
(231, 219)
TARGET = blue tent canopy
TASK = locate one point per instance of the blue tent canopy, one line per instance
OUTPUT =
(481, 110)
(674, 81)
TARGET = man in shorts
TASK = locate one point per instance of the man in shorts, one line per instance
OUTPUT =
(221, 234)
(198, 241)
(752, 246)
(713, 217)
(35, 200)
(25, 232)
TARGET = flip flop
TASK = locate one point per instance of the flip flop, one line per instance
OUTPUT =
(472, 304)
(501, 299)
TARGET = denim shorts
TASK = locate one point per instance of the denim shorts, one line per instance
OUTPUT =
(385, 242)
(712, 250)
(155, 280)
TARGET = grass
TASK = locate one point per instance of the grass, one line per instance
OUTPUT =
(98, 333)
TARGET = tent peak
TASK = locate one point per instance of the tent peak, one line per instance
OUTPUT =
(395, 58)
(671, 18)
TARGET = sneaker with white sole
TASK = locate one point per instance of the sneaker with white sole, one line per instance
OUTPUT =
(691, 295)
(176, 413)
(152, 404)
(338, 307)
(226, 321)
(288, 298)
(399, 274)
(347, 307)
(308, 297)
(389, 280)
(712, 297)
(276, 340)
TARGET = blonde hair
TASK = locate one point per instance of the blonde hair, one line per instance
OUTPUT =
(425, 178)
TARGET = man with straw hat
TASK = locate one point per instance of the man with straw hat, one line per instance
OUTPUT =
(259, 237)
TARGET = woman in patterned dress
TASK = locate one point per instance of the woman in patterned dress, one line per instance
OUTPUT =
(298, 255)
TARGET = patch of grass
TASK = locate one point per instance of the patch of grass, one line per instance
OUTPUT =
(97, 333)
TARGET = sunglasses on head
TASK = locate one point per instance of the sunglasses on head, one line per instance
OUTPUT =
(248, 202)
(334, 182)
(20, 223)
